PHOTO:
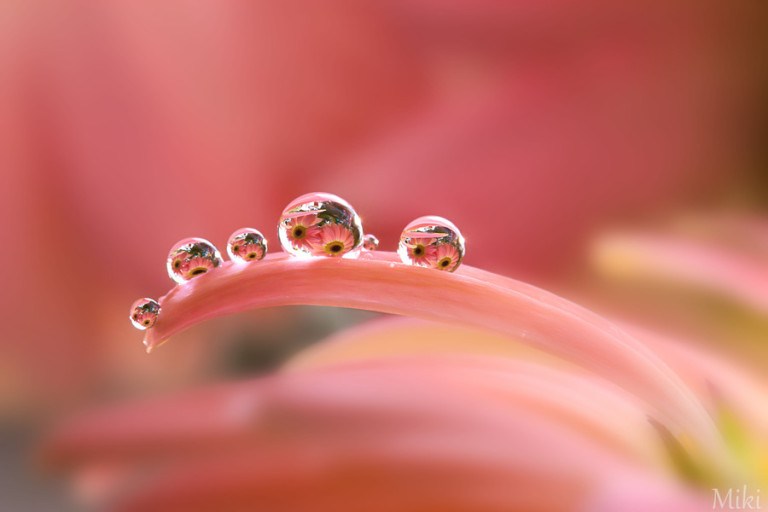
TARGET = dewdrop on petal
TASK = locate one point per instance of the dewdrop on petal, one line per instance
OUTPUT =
(432, 242)
(370, 243)
(320, 224)
(144, 313)
(190, 258)
(246, 244)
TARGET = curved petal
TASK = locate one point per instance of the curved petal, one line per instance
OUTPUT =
(532, 379)
(470, 297)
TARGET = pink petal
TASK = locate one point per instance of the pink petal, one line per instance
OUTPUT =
(471, 297)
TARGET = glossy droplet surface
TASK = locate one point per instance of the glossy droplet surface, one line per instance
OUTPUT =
(144, 313)
(320, 224)
(432, 242)
(192, 257)
(247, 244)
(370, 243)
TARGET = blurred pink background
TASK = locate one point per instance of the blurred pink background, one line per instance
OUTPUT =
(537, 127)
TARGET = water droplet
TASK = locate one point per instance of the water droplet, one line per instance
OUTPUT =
(144, 313)
(247, 244)
(432, 242)
(320, 224)
(192, 257)
(370, 243)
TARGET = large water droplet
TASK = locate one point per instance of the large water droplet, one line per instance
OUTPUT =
(432, 242)
(320, 224)
(247, 244)
(144, 313)
(192, 257)
(370, 243)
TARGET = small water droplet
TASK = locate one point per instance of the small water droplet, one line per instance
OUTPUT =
(192, 257)
(370, 243)
(432, 242)
(247, 244)
(320, 224)
(144, 313)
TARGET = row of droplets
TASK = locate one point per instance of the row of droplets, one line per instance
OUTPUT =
(317, 224)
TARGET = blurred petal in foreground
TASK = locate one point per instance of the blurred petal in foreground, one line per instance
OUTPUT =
(414, 434)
